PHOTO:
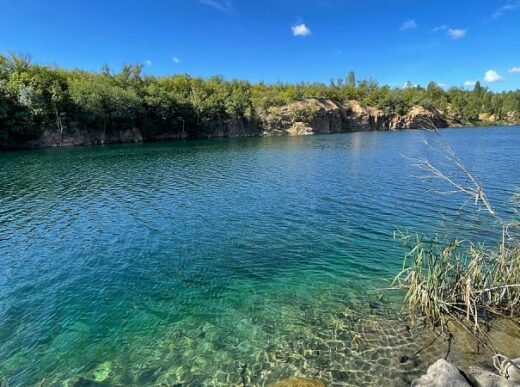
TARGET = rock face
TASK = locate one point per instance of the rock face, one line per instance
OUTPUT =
(486, 117)
(235, 128)
(314, 115)
(365, 118)
(309, 116)
(419, 117)
(441, 374)
(79, 136)
(306, 117)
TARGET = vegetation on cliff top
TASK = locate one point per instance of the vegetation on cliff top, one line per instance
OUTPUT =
(35, 97)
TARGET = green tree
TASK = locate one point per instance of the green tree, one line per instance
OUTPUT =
(351, 80)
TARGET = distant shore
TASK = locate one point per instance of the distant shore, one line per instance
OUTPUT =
(47, 106)
(307, 117)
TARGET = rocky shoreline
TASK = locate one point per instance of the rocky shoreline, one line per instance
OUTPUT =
(306, 117)
(445, 374)
(309, 116)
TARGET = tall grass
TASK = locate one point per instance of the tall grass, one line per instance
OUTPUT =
(456, 279)
(448, 279)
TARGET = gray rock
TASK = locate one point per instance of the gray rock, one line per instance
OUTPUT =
(441, 374)
(483, 378)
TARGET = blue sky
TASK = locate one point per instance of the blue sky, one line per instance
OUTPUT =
(448, 41)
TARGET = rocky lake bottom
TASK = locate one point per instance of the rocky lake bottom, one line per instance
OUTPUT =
(230, 262)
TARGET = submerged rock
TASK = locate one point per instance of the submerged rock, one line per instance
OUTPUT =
(441, 374)
(102, 371)
(298, 382)
(81, 381)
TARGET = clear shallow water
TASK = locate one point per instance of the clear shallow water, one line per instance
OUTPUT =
(222, 262)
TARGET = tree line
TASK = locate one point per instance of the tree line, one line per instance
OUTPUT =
(36, 97)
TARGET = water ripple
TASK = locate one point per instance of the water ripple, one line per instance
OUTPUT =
(181, 262)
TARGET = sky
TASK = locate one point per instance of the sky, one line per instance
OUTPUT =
(451, 42)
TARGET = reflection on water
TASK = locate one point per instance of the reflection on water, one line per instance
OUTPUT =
(223, 262)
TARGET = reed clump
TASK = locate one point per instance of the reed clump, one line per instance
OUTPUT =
(456, 279)
(448, 279)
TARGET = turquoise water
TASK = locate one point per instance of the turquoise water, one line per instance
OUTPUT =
(222, 262)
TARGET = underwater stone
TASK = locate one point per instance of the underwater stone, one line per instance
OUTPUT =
(102, 371)
(339, 376)
(298, 382)
(80, 381)
(403, 359)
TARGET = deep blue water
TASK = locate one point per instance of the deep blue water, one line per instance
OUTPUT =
(222, 261)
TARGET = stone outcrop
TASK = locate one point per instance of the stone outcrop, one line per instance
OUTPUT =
(306, 117)
(314, 115)
(237, 127)
(486, 117)
(365, 118)
(76, 136)
(419, 117)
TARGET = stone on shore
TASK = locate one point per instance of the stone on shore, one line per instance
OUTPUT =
(441, 374)
(483, 378)
(444, 374)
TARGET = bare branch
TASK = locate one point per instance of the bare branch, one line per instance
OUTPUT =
(462, 180)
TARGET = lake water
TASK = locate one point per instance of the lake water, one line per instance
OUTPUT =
(223, 262)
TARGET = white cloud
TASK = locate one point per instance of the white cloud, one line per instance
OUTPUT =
(508, 7)
(492, 76)
(225, 6)
(300, 30)
(176, 60)
(453, 33)
(148, 62)
(456, 33)
(440, 28)
(408, 25)
(514, 70)
(470, 83)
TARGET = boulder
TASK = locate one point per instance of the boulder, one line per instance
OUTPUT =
(482, 378)
(442, 374)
